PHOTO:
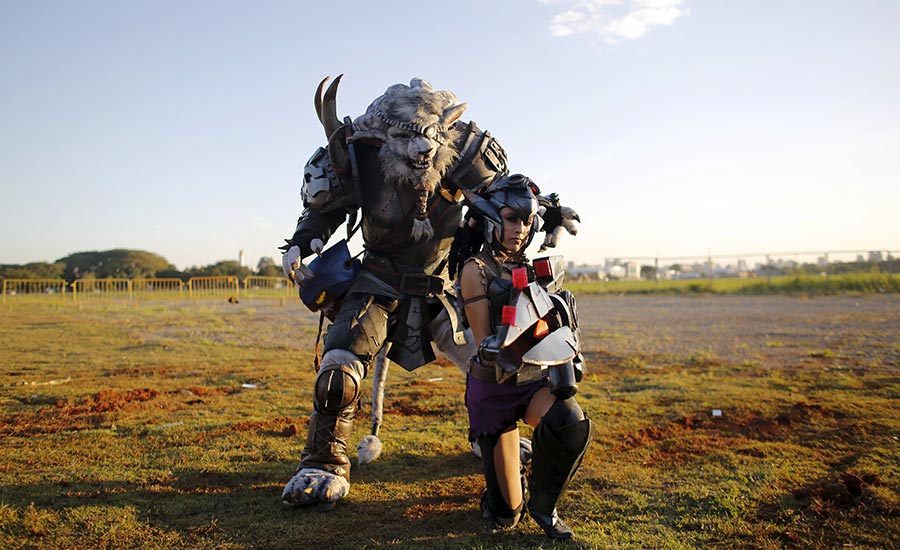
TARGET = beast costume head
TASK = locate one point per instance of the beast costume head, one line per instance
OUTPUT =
(414, 127)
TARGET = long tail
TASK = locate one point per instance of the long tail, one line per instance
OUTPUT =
(378, 381)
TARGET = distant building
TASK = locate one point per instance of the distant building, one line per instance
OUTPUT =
(584, 271)
(875, 256)
(632, 270)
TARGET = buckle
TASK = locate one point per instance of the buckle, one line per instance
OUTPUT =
(417, 284)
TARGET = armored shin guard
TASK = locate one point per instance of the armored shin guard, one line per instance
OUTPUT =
(327, 440)
(559, 448)
(331, 423)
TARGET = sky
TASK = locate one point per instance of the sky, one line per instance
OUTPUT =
(674, 127)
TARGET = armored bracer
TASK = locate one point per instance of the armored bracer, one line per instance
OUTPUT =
(314, 225)
(481, 159)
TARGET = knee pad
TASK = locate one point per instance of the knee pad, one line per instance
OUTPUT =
(563, 412)
(338, 382)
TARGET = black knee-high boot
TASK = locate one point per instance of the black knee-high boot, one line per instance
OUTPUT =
(493, 505)
(559, 444)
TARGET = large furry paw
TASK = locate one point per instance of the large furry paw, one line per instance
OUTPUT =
(368, 449)
(314, 487)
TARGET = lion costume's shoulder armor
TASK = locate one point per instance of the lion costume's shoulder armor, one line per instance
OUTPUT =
(324, 190)
(328, 197)
(481, 159)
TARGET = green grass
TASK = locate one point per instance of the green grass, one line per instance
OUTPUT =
(810, 285)
(129, 427)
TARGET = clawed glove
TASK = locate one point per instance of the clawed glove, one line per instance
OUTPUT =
(556, 218)
(293, 267)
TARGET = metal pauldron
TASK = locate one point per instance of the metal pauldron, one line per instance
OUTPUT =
(323, 189)
(481, 159)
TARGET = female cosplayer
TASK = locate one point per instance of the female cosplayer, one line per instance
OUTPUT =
(527, 362)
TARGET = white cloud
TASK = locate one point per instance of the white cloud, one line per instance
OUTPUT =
(615, 20)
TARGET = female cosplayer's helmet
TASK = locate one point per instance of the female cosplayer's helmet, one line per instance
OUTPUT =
(514, 191)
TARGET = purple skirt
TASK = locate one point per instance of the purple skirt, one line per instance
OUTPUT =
(494, 407)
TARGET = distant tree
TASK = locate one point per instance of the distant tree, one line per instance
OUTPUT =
(220, 269)
(114, 263)
(34, 270)
(268, 268)
(171, 274)
(648, 272)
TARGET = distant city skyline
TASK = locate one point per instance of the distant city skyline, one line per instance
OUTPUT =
(674, 127)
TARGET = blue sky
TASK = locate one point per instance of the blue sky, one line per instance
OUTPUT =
(673, 127)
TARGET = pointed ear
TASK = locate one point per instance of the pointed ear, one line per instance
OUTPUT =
(452, 114)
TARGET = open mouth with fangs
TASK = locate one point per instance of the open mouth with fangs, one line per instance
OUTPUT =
(420, 164)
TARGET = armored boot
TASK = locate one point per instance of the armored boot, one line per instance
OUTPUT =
(323, 477)
(558, 452)
(327, 440)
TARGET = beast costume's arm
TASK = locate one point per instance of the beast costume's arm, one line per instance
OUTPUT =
(327, 198)
(314, 225)
(481, 159)
(556, 217)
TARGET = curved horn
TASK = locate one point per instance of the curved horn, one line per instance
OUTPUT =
(452, 114)
(318, 98)
(328, 115)
(326, 110)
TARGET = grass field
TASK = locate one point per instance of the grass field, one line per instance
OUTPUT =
(792, 285)
(176, 426)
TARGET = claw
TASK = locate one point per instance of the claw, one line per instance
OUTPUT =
(305, 273)
(315, 488)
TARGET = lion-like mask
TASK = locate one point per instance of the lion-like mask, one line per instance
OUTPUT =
(414, 126)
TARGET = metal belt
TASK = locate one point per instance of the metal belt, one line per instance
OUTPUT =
(479, 371)
(411, 284)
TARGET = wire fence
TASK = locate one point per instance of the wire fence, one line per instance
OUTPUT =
(28, 290)
(147, 289)
(757, 264)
